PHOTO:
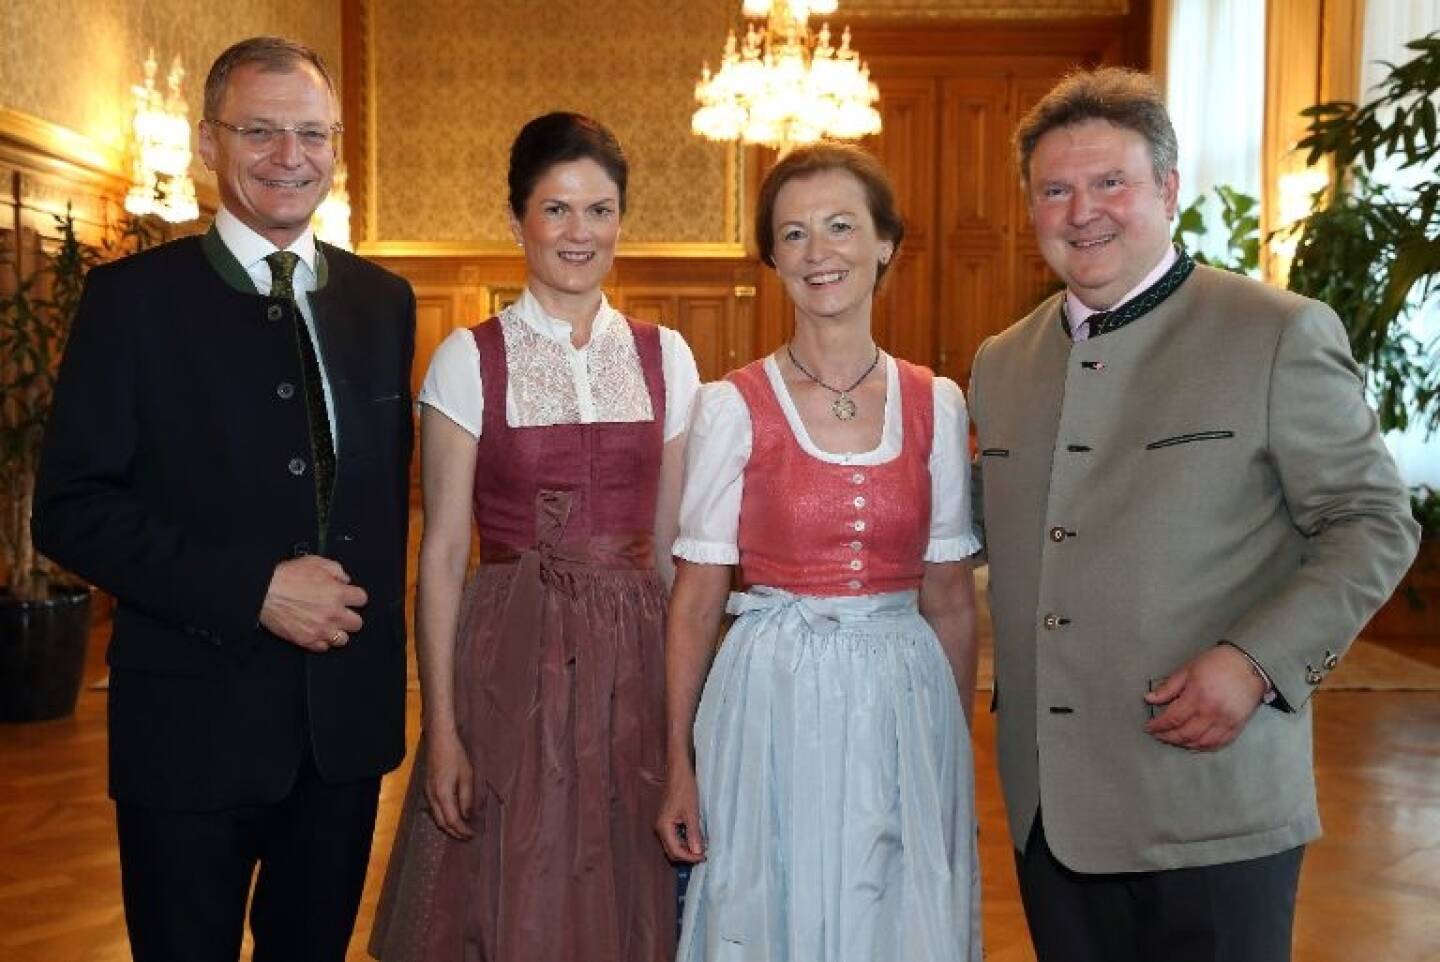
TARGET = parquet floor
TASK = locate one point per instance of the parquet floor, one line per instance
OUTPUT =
(1370, 889)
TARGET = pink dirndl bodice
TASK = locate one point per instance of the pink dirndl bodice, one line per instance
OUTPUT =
(816, 528)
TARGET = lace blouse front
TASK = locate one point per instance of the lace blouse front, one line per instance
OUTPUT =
(553, 382)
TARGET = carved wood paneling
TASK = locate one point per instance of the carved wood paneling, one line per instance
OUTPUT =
(903, 317)
(951, 94)
(974, 200)
(708, 300)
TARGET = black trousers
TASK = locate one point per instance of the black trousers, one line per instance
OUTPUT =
(1233, 912)
(186, 876)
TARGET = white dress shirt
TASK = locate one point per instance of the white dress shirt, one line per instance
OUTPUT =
(250, 249)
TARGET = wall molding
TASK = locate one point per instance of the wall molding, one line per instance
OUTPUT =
(464, 249)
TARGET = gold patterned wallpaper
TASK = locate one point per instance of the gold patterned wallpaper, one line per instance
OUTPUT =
(983, 9)
(454, 80)
(72, 62)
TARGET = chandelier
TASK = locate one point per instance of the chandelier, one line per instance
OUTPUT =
(785, 84)
(160, 152)
(331, 221)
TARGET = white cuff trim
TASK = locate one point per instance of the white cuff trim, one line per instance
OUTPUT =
(706, 552)
(952, 549)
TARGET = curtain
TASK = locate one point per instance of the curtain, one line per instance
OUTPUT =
(1216, 94)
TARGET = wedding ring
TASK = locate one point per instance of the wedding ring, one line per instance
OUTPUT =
(335, 638)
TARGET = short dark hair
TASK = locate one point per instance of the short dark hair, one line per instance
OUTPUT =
(272, 54)
(557, 138)
(817, 159)
(1120, 96)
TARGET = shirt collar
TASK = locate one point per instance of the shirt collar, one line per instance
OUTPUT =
(1077, 311)
(535, 317)
(250, 248)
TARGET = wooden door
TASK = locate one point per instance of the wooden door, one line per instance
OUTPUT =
(950, 98)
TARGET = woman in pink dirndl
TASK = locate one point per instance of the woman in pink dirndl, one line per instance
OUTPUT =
(822, 784)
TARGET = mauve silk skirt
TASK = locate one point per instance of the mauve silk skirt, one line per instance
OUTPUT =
(565, 865)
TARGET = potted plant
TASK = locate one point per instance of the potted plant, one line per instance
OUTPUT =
(1239, 215)
(1372, 252)
(44, 617)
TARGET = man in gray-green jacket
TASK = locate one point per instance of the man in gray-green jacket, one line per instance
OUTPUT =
(1189, 515)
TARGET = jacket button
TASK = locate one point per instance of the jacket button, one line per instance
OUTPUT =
(274, 312)
(1313, 675)
(1057, 534)
(859, 502)
(856, 564)
(285, 390)
(297, 466)
(854, 584)
(1331, 660)
(857, 478)
(1052, 622)
(301, 549)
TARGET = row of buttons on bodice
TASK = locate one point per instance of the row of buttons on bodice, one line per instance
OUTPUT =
(858, 525)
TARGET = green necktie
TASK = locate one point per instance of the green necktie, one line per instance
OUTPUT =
(282, 284)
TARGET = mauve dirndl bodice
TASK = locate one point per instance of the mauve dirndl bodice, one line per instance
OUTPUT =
(610, 471)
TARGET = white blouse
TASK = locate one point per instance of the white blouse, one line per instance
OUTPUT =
(718, 449)
(553, 382)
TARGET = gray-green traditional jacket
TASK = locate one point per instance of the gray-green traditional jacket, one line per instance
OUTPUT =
(1208, 471)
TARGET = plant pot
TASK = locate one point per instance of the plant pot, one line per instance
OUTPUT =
(42, 653)
(1414, 610)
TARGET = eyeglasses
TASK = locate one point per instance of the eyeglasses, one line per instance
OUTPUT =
(312, 137)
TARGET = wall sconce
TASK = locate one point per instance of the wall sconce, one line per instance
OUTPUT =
(160, 150)
(332, 218)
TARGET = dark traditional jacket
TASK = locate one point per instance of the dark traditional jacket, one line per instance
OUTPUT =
(177, 472)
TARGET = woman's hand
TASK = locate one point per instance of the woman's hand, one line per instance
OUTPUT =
(679, 822)
(449, 784)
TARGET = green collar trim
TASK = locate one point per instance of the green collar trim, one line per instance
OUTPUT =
(1141, 304)
(231, 271)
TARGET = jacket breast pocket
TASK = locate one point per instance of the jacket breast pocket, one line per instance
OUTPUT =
(1190, 438)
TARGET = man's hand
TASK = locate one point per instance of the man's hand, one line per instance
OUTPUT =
(1207, 700)
(311, 602)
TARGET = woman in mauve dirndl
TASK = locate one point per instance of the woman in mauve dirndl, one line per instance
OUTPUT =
(527, 833)
(824, 785)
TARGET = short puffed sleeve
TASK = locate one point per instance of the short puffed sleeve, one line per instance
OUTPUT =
(452, 384)
(716, 453)
(952, 529)
(682, 381)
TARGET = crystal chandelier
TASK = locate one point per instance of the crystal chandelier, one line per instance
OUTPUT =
(785, 84)
(160, 162)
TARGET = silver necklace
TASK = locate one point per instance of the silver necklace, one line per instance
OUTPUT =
(843, 407)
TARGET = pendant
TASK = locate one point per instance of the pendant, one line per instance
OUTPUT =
(843, 407)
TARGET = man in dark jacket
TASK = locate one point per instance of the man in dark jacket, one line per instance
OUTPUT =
(228, 456)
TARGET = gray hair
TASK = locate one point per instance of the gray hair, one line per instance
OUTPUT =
(1126, 98)
(272, 54)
